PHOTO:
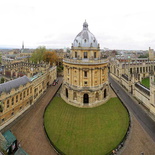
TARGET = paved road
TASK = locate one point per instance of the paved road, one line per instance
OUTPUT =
(147, 123)
(29, 130)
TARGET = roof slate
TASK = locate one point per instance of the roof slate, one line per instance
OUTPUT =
(7, 86)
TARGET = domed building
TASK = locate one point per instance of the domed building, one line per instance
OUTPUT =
(85, 72)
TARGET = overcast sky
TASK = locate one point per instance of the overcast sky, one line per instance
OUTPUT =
(116, 24)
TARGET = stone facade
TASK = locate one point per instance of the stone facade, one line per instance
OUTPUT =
(85, 73)
(18, 95)
(130, 72)
(15, 70)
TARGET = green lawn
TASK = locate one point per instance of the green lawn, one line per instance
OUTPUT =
(86, 131)
(146, 82)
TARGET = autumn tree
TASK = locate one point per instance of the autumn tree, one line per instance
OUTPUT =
(50, 56)
(38, 54)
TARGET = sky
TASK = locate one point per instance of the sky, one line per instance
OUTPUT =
(116, 24)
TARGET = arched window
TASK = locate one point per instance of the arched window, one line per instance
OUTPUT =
(66, 92)
(105, 93)
(85, 98)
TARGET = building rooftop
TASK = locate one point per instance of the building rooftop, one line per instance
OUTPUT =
(85, 38)
(10, 138)
(7, 86)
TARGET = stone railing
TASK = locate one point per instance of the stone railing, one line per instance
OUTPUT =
(85, 61)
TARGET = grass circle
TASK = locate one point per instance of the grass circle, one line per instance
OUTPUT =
(83, 131)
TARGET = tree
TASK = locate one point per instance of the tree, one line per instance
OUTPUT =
(2, 80)
(38, 54)
(144, 56)
(50, 57)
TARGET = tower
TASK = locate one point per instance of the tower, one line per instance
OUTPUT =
(85, 72)
(151, 54)
(22, 50)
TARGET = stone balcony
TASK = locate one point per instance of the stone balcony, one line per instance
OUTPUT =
(85, 61)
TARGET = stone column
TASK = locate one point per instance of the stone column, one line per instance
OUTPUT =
(93, 78)
(82, 77)
(90, 73)
(78, 76)
(100, 75)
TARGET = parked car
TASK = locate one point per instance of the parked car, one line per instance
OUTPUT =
(57, 80)
(54, 83)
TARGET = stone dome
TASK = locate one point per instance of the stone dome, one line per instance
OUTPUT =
(85, 38)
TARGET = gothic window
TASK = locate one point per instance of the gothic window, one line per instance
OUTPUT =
(24, 94)
(28, 92)
(8, 103)
(17, 98)
(85, 73)
(13, 101)
(21, 96)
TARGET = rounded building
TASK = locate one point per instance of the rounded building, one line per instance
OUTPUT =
(85, 72)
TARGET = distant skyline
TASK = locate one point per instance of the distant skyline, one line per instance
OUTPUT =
(120, 24)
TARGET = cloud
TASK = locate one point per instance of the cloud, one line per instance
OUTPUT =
(116, 24)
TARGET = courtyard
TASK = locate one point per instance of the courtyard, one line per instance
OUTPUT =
(85, 131)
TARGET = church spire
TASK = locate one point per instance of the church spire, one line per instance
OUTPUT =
(23, 45)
